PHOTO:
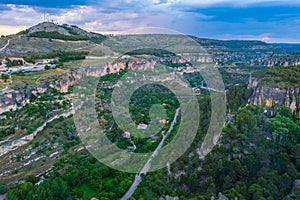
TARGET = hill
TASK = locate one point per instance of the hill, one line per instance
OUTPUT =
(48, 37)
(290, 48)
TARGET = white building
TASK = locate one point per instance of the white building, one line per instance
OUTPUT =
(142, 126)
(126, 135)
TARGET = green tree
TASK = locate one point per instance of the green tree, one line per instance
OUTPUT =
(286, 112)
(246, 121)
(255, 192)
(47, 67)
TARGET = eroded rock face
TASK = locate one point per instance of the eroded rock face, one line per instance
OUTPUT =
(276, 61)
(62, 84)
(14, 99)
(275, 96)
(11, 100)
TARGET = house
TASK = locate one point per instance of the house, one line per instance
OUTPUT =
(163, 121)
(131, 148)
(196, 89)
(142, 126)
(126, 135)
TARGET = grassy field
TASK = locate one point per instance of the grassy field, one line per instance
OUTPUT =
(32, 78)
(90, 62)
(4, 84)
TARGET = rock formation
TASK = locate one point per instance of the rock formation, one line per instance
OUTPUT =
(14, 99)
(274, 97)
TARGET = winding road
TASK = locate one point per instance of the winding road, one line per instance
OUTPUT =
(8, 41)
(145, 169)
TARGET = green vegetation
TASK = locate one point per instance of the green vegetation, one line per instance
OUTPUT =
(153, 52)
(57, 35)
(247, 165)
(281, 77)
(148, 95)
(34, 78)
(86, 178)
(174, 65)
(36, 114)
(285, 131)
(12, 63)
(257, 157)
(237, 96)
(61, 55)
(140, 103)
(4, 77)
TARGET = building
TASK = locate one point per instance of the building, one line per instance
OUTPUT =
(163, 121)
(142, 126)
(126, 135)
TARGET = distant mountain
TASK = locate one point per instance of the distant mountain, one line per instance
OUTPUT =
(48, 37)
(290, 48)
(244, 47)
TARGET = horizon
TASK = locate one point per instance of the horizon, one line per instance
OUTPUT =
(271, 21)
(120, 33)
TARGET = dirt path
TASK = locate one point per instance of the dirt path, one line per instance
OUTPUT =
(3, 48)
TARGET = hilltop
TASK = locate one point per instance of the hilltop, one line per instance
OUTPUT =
(48, 37)
(64, 32)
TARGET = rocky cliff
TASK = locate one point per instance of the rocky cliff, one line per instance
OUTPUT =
(11, 100)
(274, 97)
(14, 99)
(277, 60)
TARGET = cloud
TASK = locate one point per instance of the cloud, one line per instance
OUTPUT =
(6, 30)
(266, 39)
(19, 15)
(46, 3)
(238, 3)
(205, 18)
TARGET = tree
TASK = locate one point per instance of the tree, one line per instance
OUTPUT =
(2, 190)
(246, 121)
(12, 194)
(255, 191)
(4, 77)
(286, 112)
(24, 189)
(47, 67)
(295, 153)
(285, 131)
(8, 62)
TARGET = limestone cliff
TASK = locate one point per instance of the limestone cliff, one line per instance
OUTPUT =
(277, 60)
(275, 97)
(14, 99)
(11, 100)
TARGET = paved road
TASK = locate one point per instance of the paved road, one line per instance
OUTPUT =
(31, 68)
(8, 41)
(145, 169)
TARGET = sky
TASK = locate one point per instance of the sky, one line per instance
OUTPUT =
(271, 21)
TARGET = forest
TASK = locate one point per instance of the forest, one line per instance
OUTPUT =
(256, 158)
